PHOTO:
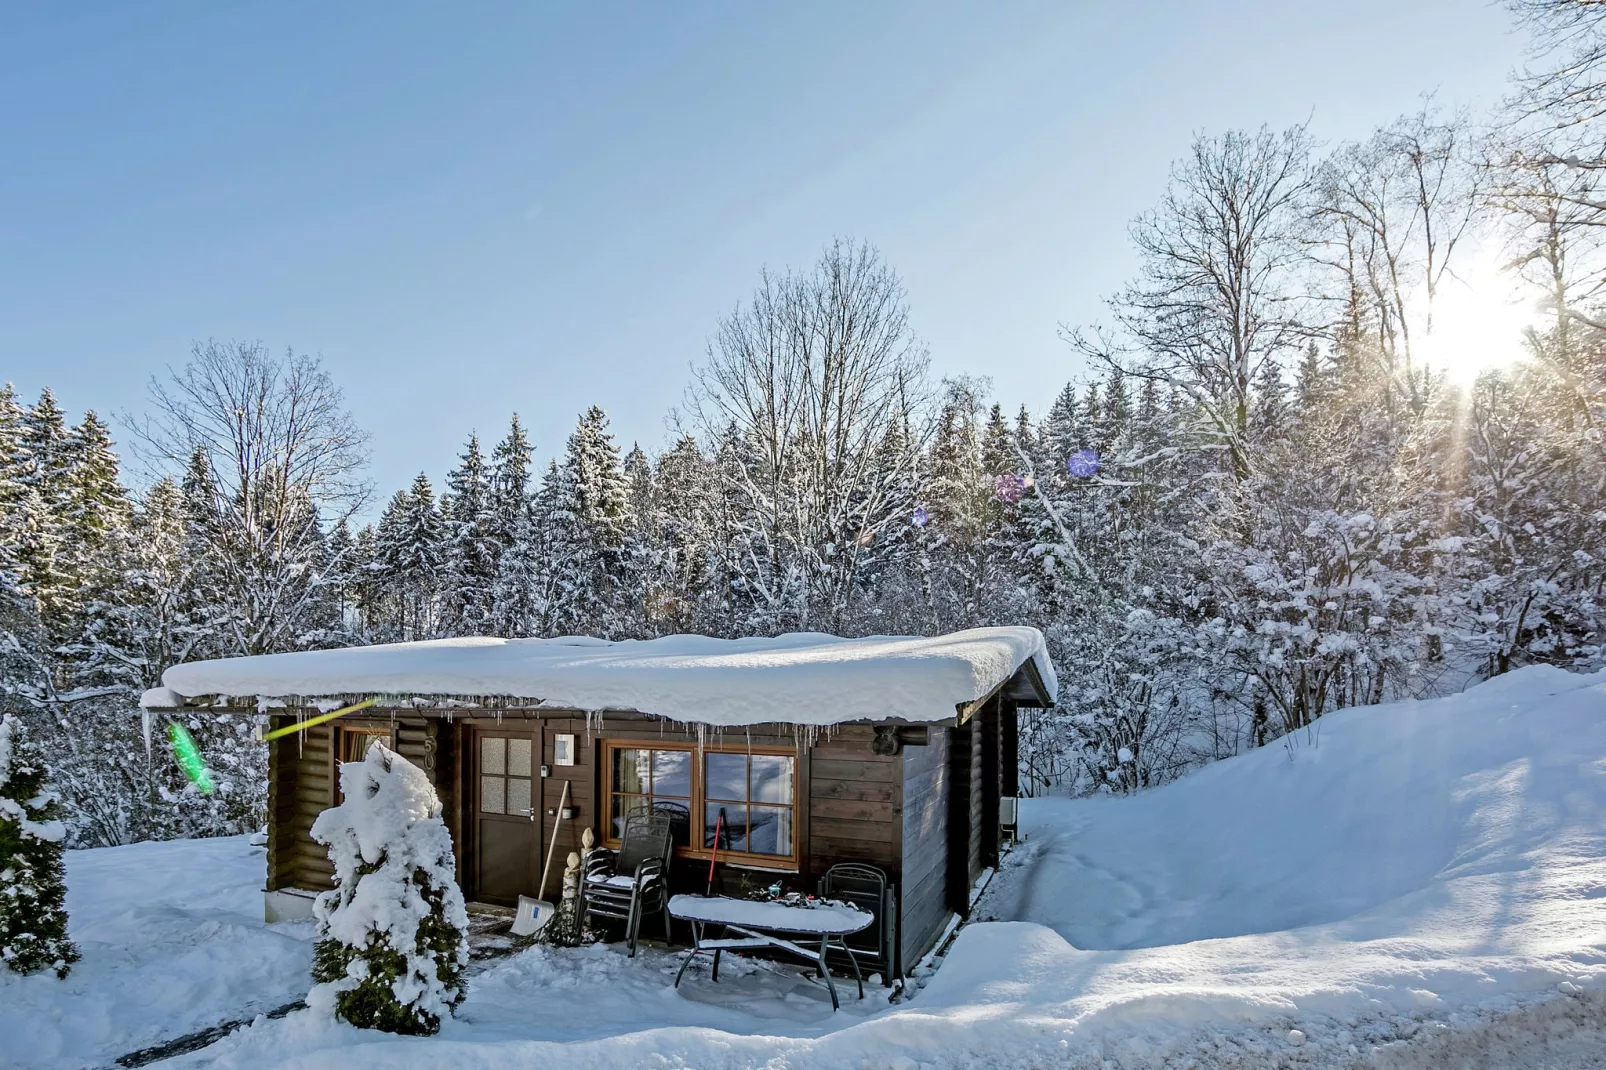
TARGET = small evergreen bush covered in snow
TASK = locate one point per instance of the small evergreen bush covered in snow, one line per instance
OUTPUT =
(392, 933)
(33, 877)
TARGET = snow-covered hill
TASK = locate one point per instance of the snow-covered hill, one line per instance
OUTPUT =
(1419, 884)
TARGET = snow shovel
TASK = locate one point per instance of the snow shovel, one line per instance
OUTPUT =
(534, 914)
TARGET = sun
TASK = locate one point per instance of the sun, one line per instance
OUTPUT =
(1479, 322)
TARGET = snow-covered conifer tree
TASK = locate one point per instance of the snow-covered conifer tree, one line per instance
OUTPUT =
(472, 548)
(510, 481)
(586, 518)
(392, 933)
(33, 878)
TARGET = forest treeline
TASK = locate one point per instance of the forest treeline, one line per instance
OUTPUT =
(1268, 498)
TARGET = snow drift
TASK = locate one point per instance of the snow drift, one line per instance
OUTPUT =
(802, 678)
(1418, 884)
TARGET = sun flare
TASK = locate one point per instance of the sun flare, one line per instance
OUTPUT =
(1479, 322)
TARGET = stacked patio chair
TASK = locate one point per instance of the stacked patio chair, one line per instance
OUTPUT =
(866, 887)
(624, 885)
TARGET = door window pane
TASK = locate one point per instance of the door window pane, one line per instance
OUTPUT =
(726, 777)
(493, 755)
(492, 796)
(671, 773)
(770, 831)
(630, 771)
(772, 778)
(518, 796)
(518, 757)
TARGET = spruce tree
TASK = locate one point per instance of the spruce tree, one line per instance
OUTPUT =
(33, 875)
(471, 545)
(392, 933)
(519, 598)
(45, 481)
(586, 513)
(510, 480)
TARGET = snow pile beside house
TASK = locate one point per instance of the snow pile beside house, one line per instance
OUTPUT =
(803, 678)
(1422, 881)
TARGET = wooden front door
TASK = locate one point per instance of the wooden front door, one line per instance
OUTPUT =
(505, 814)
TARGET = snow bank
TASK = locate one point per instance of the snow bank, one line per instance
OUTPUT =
(804, 678)
(1420, 884)
(172, 940)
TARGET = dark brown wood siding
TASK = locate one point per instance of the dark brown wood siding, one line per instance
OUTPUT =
(923, 910)
(851, 803)
(303, 780)
(989, 781)
(964, 812)
(305, 764)
(854, 801)
(582, 778)
(1009, 748)
(977, 794)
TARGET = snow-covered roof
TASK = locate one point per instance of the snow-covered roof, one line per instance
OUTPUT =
(802, 678)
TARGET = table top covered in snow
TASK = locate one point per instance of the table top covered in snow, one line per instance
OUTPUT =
(776, 917)
(802, 678)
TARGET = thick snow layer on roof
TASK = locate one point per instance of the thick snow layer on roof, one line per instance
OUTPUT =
(803, 678)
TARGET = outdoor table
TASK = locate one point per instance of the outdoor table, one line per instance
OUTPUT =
(766, 925)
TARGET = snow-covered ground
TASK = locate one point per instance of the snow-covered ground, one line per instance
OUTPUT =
(1421, 885)
(172, 940)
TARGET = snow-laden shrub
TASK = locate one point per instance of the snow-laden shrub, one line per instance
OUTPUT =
(33, 877)
(392, 932)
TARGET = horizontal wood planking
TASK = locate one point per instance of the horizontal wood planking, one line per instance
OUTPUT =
(854, 790)
(311, 755)
(851, 809)
(853, 771)
(852, 803)
(883, 829)
(826, 851)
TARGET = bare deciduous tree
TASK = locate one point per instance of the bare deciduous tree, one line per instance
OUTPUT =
(1214, 298)
(272, 439)
(1390, 213)
(819, 386)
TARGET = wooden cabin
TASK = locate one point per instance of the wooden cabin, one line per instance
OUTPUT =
(804, 750)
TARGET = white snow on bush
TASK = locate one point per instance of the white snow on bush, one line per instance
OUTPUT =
(391, 818)
(803, 678)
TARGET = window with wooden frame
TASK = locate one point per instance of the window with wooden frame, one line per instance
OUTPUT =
(745, 799)
(356, 739)
(351, 745)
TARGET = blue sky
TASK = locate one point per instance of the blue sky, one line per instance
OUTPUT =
(469, 210)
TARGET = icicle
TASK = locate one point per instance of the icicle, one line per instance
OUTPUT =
(145, 717)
